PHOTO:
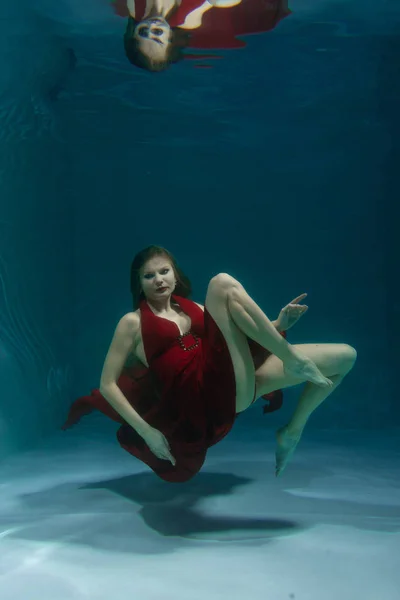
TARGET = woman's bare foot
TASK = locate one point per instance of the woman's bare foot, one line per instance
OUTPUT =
(304, 368)
(286, 444)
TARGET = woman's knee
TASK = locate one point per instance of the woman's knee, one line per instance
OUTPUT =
(222, 285)
(348, 356)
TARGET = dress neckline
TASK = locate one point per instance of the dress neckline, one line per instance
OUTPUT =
(175, 299)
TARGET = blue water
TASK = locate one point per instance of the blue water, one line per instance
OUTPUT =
(277, 165)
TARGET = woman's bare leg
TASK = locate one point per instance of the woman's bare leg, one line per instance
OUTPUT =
(238, 317)
(334, 361)
(217, 305)
(255, 324)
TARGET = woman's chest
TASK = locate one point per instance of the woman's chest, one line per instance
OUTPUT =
(172, 328)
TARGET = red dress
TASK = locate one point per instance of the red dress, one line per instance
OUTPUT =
(220, 27)
(188, 392)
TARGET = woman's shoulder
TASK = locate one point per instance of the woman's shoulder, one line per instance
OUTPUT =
(130, 322)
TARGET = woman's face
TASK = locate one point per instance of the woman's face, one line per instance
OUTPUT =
(157, 278)
(153, 36)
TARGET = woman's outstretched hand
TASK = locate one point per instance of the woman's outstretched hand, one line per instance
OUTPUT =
(158, 444)
(291, 313)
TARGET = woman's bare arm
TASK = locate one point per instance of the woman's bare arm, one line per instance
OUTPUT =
(123, 342)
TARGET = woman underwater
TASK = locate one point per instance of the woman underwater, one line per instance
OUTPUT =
(158, 31)
(177, 373)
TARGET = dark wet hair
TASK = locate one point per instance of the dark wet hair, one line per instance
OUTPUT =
(183, 286)
(178, 42)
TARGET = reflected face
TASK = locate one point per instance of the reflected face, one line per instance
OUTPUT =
(153, 36)
(157, 278)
